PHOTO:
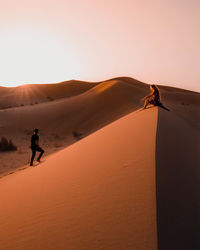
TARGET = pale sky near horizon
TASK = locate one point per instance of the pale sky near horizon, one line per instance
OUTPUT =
(154, 41)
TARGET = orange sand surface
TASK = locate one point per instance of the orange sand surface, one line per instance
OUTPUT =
(84, 108)
(97, 194)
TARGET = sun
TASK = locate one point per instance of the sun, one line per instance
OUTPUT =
(32, 56)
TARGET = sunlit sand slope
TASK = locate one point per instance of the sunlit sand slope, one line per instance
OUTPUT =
(97, 194)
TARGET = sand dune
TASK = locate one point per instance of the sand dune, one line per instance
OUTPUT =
(84, 113)
(178, 182)
(185, 104)
(97, 194)
(75, 106)
(132, 184)
(32, 94)
(177, 170)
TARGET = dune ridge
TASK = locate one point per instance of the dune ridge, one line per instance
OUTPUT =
(32, 94)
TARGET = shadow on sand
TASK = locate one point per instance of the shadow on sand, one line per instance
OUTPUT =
(177, 183)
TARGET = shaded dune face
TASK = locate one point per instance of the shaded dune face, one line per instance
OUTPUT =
(184, 104)
(178, 182)
(177, 170)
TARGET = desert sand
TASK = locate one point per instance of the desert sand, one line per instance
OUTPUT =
(98, 193)
(131, 182)
(75, 106)
(89, 108)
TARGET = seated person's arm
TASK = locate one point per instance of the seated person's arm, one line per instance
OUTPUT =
(148, 96)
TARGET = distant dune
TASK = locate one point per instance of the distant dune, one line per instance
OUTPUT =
(32, 94)
(131, 182)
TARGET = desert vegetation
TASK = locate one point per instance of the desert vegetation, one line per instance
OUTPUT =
(7, 145)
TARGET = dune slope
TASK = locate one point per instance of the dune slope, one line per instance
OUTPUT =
(59, 110)
(102, 192)
(178, 182)
(97, 194)
(38, 93)
(57, 120)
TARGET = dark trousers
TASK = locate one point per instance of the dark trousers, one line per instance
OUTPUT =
(34, 152)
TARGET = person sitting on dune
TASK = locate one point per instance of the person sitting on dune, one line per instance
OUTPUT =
(153, 98)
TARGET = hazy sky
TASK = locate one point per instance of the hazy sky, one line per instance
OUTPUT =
(45, 41)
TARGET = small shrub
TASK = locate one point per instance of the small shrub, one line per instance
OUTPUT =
(57, 145)
(77, 135)
(50, 98)
(6, 145)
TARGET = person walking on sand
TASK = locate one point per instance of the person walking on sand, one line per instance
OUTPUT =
(153, 98)
(35, 147)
